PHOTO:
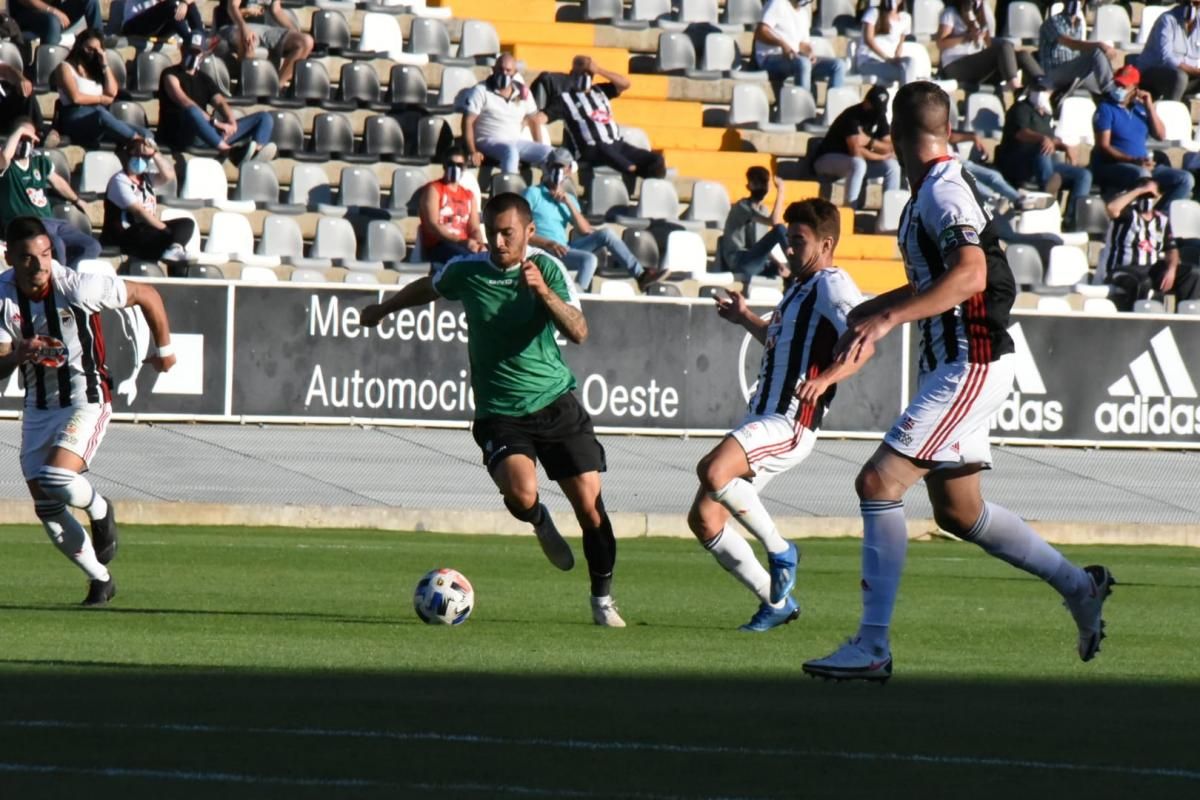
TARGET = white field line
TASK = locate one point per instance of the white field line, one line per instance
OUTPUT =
(623, 746)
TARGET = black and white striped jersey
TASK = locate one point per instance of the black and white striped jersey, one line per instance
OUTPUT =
(944, 214)
(70, 312)
(589, 115)
(1136, 243)
(801, 336)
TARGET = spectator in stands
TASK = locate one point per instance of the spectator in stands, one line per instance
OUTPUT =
(1141, 255)
(245, 24)
(161, 18)
(1068, 59)
(18, 100)
(969, 53)
(1124, 120)
(131, 219)
(1170, 62)
(449, 215)
(47, 19)
(25, 177)
(495, 113)
(782, 48)
(742, 250)
(858, 146)
(86, 89)
(185, 95)
(989, 182)
(589, 118)
(883, 32)
(1027, 147)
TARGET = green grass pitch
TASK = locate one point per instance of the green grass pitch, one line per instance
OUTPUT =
(263, 663)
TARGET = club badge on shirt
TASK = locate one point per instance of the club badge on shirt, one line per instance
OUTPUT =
(957, 236)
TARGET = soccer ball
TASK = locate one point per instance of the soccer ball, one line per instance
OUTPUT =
(444, 597)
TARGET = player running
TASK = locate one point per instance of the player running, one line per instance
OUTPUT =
(777, 432)
(50, 330)
(960, 292)
(515, 297)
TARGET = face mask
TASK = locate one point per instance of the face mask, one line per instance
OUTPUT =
(1073, 9)
(583, 82)
(139, 165)
(1145, 203)
(555, 176)
(453, 172)
(190, 61)
(1120, 94)
(1041, 101)
(24, 150)
(502, 80)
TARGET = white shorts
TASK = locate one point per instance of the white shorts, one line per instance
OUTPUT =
(949, 420)
(78, 429)
(774, 444)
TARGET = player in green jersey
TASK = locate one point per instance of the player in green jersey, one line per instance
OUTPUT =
(515, 297)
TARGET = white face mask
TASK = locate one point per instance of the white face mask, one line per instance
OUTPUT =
(1041, 101)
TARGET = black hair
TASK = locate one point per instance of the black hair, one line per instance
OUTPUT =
(22, 229)
(922, 106)
(820, 215)
(507, 201)
(758, 175)
(18, 122)
(78, 55)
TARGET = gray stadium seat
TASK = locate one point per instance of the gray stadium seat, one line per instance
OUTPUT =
(649, 10)
(204, 271)
(406, 183)
(281, 237)
(332, 136)
(129, 112)
(358, 187)
(335, 240)
(407, 86)
(607, 195)
(11, 54)
(1024, 21)
(985, 113)
(385, 242)
(795, 106)
(1091, 216)
(1148, 307)
(58, 160)
(1026, 265)
(602, 10)
(116, 65)
(308, 275)
(1190, 307)
(746, 13)
(383, 138)
(310, 186)
(288, 134)
(98, 166)
(710, 204)
(45, 60)
(147, 70)
(312, 84)
(478, 41)
(663, 290)
(676, 54)
(644, 247)
(433, 137)
(429, 36)
(330, 31)
(69, 213)
(257, 183)
(259, 81)
(359, 84)
(751, 109)
(137, 268)
(507, 182)
(455, 80)
(216, 69)
(658, 200)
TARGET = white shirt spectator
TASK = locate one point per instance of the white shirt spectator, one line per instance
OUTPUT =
(499, 119)
(888, 42)
(84, 85)
(958, 27)
(793, 25)
(124, 192)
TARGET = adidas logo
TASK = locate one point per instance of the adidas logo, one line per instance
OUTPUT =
(1020, 412)
(1156, 381)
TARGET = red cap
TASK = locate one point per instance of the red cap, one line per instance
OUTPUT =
(1127, 76)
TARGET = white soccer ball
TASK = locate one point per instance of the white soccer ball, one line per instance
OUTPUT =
(444, 597)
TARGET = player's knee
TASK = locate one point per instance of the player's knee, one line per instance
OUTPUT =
(869, 484)
(521, 495)
(953, 520)
(711, 474)
(589, 513)
(54, 481)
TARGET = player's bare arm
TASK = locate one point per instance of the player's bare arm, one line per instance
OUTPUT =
(147, 298)
(879, 303)
(814, 388)
(417, 293)
(568, 319)
(13, 357)
(734, 309)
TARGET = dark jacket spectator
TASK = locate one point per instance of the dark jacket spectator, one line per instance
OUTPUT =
(47, 19)
(858, 146)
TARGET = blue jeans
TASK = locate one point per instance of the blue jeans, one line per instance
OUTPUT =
(753, 260)
(87, 125)
(802, 70)
(46, 27)
(990, 182)
(856, 170)
(601, 238)
(70, 244)
(257, 126)
(1076, 180)
(1175, 184)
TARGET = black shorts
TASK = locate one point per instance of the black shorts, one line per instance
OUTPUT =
(560, 435)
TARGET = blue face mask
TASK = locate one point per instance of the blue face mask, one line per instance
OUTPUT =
(1120, 94)
(139, 165)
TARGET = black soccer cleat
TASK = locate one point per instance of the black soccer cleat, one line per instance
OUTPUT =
(104, 535)
(100, 592)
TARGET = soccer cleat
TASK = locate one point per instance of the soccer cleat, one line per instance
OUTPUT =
(783, 572)
(104, 535)
(1087, 610)
(852, 661)
(605, 614)
(553, 544)
(768, 616)
(100, 592)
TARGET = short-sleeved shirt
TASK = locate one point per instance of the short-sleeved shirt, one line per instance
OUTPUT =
(741, 230)
(888, 42)
(1129, 127)
(124, 191)
(854, 121)
(200, 89)
(70, 313)
(550, 217)
(1051, 52)
(23, 189)
(1135, 243)
(1169, 44)
(455, 203)
(793, 25)
(516, 366)
(1011, 150)
(958, 27)
(499, 118)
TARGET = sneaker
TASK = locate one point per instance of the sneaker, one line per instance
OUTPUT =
(649, 276)
(174, 253)
(1035, 201)
(783, 572)
(553, 544)
(104, 535)
(1087, 610)
(852, 661)
(100, 592)
(768, 616)
(266, 152)
(605, 614)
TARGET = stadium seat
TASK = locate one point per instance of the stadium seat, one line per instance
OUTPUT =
(192, 248)
(78, 220)
(676, 55)
(720, 55)
(383, 138)
(281, 237)
(358, 85)
(603, 10)
(663, 290)
(335, 240)
(1026, 265)
(1177, 121)
(650, 11)
(1185, 219)
(147, 71)
(1068, 266)
(658, 200)
(925, 15)
(710, 204)
(257, 183)
(1040, 220)
(1113, 25)
(507, 182)
(765, 295)
(1149, 307)
(1190, 307)
(60, 164)
(455, 81)
(1150, 15)
(922, 64)
(751, 109)
(137, 268)
(433, 138)
(116, 65)
(204, 272)
(1024, 21)
(832, 10)
(644, 247)
(385, 243)
(216, 69)
(358, 189)
(205, 184)
(888, 220)
(617, 289)
(98, 166)
(1099, 305)
(259, 82)
(332, 136)
(381, 34)
(406, 184)
(288, 134)
(1075, 120)
(258, 275)
(838, 100)
(685, 253)
(478, 41)
(407, 86)
(1091, 216)
(795, 106)
(45, 60)
(129, 112)
(692, 12)
(330, 32)
(985, 113)
(430, 38)
(362, 277)
(745, 13)
(309, 189)
(307, 275)
(1055, 304)
(231, 239)
(11, 54)
(607, 195)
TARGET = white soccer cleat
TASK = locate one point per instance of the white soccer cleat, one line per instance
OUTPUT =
(1088, 610)
(553, 544)
(852, 661)
(605, 614)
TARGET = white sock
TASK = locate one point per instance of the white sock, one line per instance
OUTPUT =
(71, 488)
(70, 537)
(885, 541)
(739, 497)
(1006, 536)
(737, 557)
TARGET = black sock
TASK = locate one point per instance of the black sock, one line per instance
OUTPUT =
(531, 515)
(600, 550)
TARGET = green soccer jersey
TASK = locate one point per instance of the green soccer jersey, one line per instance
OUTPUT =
(516, 366)
(23, 191)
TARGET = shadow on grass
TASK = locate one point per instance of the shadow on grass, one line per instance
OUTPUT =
(183, 732)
